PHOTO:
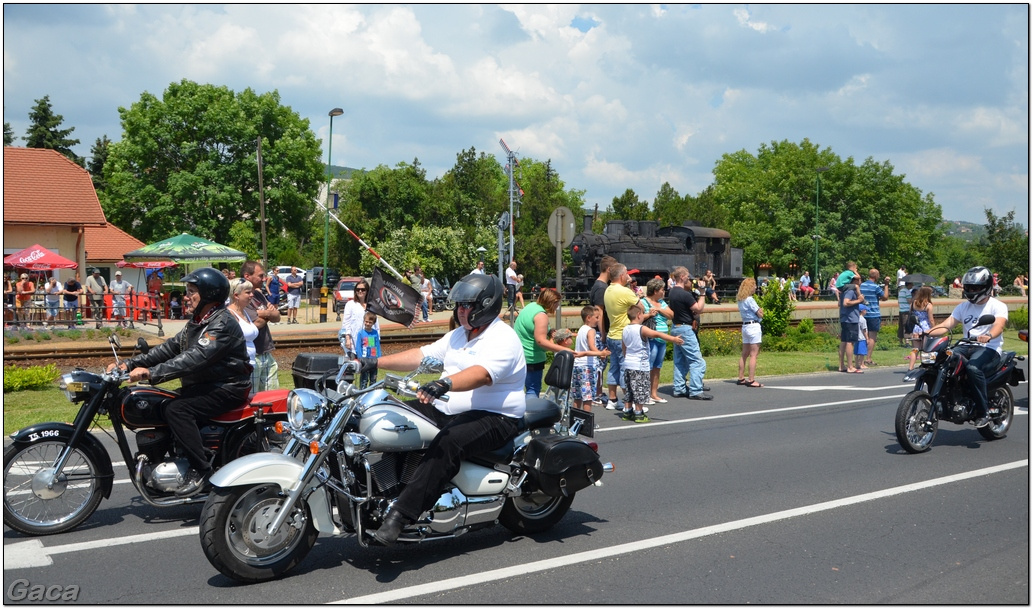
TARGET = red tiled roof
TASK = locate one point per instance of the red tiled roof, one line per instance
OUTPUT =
(109, 243)
(44, 187)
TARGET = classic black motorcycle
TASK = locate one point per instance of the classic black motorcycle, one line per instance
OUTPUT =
(56, 474)
(941, 392)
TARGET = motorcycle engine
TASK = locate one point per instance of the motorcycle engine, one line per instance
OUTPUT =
(960, 410)
(167, 476)
(154, 443)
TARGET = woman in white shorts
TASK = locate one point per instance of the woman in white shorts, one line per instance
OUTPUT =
(751, 314)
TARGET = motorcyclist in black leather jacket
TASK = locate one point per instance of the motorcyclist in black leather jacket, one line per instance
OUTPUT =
(210, 355)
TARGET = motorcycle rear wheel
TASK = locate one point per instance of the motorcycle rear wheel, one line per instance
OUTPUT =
(233, 536)
(915, 426)
(32, 504)
(1000, 424)
(533, 512)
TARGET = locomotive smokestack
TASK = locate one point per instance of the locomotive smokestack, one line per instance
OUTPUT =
(588, 224)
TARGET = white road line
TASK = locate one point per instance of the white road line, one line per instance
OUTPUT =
(833, 387)
(32, 553)
(481, 578)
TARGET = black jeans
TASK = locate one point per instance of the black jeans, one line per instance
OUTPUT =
(461, 435)
(981, 362)
(199, 403)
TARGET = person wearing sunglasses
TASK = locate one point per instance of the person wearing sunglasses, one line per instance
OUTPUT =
(351, 318)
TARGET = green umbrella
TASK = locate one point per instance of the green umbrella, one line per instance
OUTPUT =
(186, 249)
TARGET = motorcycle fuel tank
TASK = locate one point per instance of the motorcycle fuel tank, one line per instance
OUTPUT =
(392, 427)
(144, 406)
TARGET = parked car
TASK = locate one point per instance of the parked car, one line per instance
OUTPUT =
(314, 278)
(283, 272)
(343, 292)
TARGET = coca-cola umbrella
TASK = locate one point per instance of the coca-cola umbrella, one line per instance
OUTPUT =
(38, 258)
(185, 249)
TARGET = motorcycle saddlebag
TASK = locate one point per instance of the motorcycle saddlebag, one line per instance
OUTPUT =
(561, 465)
(309, 367)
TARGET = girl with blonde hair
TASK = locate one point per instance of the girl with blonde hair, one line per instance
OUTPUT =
(751, 314)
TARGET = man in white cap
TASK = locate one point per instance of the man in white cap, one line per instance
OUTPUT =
(97, 287)
(119, 289)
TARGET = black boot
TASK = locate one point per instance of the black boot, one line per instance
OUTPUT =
(388, 532)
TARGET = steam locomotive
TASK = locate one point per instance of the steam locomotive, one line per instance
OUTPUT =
(653, 250)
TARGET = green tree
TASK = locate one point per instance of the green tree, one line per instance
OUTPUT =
(1005, 248)
(444, 252)
(244, 238)
(43, 131)
(629, 207)
(187, 163)
(703, 209)
(98, 156)
(865, 213)
(670, 208)
(8, 134)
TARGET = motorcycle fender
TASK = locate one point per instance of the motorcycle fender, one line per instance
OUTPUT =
(88, 444)
(274, 468)
(1017, 376)
(914, 375)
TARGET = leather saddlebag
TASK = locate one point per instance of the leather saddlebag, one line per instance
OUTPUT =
(561, 465)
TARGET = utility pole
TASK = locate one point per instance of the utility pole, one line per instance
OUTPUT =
(511, 163)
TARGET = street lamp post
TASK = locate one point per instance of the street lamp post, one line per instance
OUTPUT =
(326, 226)
(817, 195)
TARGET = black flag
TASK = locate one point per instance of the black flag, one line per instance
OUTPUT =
(391, 299)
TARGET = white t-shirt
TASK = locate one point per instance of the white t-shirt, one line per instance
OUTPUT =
(968, 314)
(581, 344)
(498, 350)
(636, 352)
(511, 276)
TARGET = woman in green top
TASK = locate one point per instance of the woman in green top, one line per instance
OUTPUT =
(532, 326)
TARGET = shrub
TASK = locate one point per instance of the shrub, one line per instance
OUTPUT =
(778, 308)
(806, 326)
(1019, 318)
(720, 342)
(17, 378)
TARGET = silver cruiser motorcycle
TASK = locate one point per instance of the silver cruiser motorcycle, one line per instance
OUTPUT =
(352, 451)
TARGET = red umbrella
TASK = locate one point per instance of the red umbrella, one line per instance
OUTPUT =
(38, 258)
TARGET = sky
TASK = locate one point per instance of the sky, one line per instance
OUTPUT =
(618, 96)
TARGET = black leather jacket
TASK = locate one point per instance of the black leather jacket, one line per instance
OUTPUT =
(207, 352)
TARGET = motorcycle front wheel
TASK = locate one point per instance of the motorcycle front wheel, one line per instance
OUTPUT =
(234, 538)
(915, 423)
(1004, 404)
(36, 501)
(533, 512)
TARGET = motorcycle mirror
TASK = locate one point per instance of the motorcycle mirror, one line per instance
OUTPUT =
(115, 342)
(986, 320)
(1024, 336)
(432, 364)
(142, 346)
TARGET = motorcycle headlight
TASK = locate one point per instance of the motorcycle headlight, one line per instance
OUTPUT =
(305, 409)
(928, 358)
(355, 444)
(75, 391)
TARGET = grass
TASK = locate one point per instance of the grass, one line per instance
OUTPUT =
(25, 408)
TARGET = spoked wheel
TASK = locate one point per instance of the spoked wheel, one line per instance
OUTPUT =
(533, 512)
(234, 537)
(36, 501)
(1002, 407)
(916, 425)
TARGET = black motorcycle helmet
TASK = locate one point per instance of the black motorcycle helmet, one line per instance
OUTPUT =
(211, 284)
(977, 284)
(484, 292)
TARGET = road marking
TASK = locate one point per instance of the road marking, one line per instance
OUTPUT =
(833, 387)
(33, 554)
(481, 578)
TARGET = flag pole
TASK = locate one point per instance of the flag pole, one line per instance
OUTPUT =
(365, 245)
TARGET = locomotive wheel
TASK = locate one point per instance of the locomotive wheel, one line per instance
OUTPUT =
(915, 425)
(234, 538)
(37, 503)
(1002, 400)
(533, 512)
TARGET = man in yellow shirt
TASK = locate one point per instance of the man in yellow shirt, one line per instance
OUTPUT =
(617, 298)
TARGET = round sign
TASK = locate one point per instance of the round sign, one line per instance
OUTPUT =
(561, 227)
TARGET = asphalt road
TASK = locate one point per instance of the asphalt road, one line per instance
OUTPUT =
(793, 493)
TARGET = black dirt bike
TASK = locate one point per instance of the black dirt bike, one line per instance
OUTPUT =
(941, 392)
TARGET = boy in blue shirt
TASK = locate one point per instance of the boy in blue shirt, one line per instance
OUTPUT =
(368, 346)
